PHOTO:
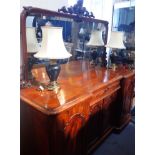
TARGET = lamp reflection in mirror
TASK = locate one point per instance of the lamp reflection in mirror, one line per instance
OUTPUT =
(95, 42)
(115, 42)
(81, 42)
(32, 47)
(32, 43)
(52, 48)
(82, 31)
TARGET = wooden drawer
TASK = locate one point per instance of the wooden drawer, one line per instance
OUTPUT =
(105, 91)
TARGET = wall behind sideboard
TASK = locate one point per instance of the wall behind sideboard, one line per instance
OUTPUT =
(45, 4)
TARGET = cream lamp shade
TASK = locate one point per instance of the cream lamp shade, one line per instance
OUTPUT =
(96, 38)
(116, 40)
(32, 43)
(52, 45)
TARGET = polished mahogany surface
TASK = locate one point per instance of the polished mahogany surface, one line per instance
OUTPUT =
(77, 79)
(91, 103)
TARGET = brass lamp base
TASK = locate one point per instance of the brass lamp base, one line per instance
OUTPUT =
(53, 86)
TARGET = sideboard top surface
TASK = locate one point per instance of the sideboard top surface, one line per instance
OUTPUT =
(77, 79)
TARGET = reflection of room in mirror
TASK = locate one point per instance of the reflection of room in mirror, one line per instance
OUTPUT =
(40, 75)
(29, 21)
(68, 46)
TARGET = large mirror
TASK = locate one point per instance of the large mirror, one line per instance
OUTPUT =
(124, 21)
(76, 34)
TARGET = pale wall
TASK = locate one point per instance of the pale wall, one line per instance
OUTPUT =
(45, 4)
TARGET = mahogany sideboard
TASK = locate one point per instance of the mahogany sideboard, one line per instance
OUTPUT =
(91, 103)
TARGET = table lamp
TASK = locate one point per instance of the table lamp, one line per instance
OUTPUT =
(115, 42)
(52, 48)
(32, 48)
(95, 42)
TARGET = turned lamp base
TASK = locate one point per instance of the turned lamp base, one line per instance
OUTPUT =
(53, 71)
(94, 57)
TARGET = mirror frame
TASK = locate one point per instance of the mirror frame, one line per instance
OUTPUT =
(30, 11)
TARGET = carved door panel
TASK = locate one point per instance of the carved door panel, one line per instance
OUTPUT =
(70, 138)
(74, 135)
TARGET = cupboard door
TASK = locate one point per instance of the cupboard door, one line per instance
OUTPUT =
(128, 91)
(94, 123)
(74, 134)
(122, 108)
(99, 124)
(70, 135)
(107, 114)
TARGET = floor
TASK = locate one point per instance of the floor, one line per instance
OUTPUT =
(119, 144)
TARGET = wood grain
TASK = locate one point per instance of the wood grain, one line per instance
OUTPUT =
(74, 120)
